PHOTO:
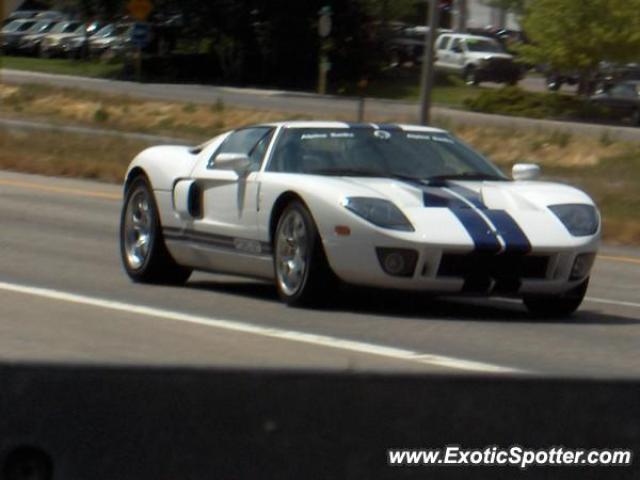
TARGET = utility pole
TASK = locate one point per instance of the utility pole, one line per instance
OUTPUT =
(426, 83)
(461, 14)
(324, 30)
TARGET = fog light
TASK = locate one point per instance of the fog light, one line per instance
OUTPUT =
(582, 265)
(398, 262)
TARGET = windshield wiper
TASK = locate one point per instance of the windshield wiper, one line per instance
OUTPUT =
(466, 176)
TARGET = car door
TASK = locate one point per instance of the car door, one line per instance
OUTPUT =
(442, 53)
(229, 198)
(456, 55)
(622, 98)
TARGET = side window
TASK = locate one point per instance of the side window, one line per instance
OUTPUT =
(624, 90)
(443, 43)
(252, 142)
(456, 45)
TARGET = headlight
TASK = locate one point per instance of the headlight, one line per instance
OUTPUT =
(580, 220)
(380, 212)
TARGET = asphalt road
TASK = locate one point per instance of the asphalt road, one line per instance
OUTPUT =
(64, 298)
(313, 105)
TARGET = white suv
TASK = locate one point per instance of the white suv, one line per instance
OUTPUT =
(476, 58)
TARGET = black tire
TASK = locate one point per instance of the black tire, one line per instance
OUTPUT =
(157, 266)
(512, 82)
(470, 76)
(317, 282)
(559, 305)
(553, 83)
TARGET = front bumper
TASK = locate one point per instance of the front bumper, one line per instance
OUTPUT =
(494, 71)
(456, 267)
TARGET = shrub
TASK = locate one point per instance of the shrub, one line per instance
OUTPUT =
(517, 102)
(189, 108)
(101, 115)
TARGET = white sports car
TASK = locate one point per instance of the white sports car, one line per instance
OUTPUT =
(403, 207)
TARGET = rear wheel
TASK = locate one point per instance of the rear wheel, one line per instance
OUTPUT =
(143, 252)
(557, 305)
(303, 276)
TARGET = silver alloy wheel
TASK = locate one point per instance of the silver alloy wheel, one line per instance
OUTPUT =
(138, 228)
(292, 250)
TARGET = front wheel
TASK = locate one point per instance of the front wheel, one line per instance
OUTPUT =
(303, 276)
(557, 305)
(470, 76)
(144, 254)
(554, 83)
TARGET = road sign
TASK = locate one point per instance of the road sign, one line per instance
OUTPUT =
(141, 34)
(140, 9)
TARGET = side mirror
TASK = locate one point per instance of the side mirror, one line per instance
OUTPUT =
(239, 162)
(525, 171)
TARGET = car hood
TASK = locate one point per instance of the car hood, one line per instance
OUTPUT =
(488, 55)
(61, 36)
(515, 205)
(503, 195)
(33, 36)
(102, 42)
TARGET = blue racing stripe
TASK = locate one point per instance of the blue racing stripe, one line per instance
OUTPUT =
(389, 127)
(469, 195)
(360, 125)
(514, 238)
(484, 239)
(438, 198)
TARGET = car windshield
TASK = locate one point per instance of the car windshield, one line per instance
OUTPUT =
(65, 27)
(42, 27)
(104, 31)
(393, 153)
(483, 45)
(17, 26)
(121, 30)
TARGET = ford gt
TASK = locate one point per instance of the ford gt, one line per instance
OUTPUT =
(310, 204)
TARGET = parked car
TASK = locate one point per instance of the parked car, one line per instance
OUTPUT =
(407, 44)
(76, 45)
(608, 73)
(476, 59)
(51, 15)
(20, 15)
(12, 33)
(29, 44)
(51, 45)
(108, 37)
(622, 99)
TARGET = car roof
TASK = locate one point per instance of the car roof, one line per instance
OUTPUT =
(346, 125)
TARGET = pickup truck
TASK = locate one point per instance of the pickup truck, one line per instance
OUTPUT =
(476, 59)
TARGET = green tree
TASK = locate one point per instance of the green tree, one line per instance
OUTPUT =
(515, 6)
(576, 35)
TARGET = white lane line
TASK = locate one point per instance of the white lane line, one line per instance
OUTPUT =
(235, 326)
(606, 301)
